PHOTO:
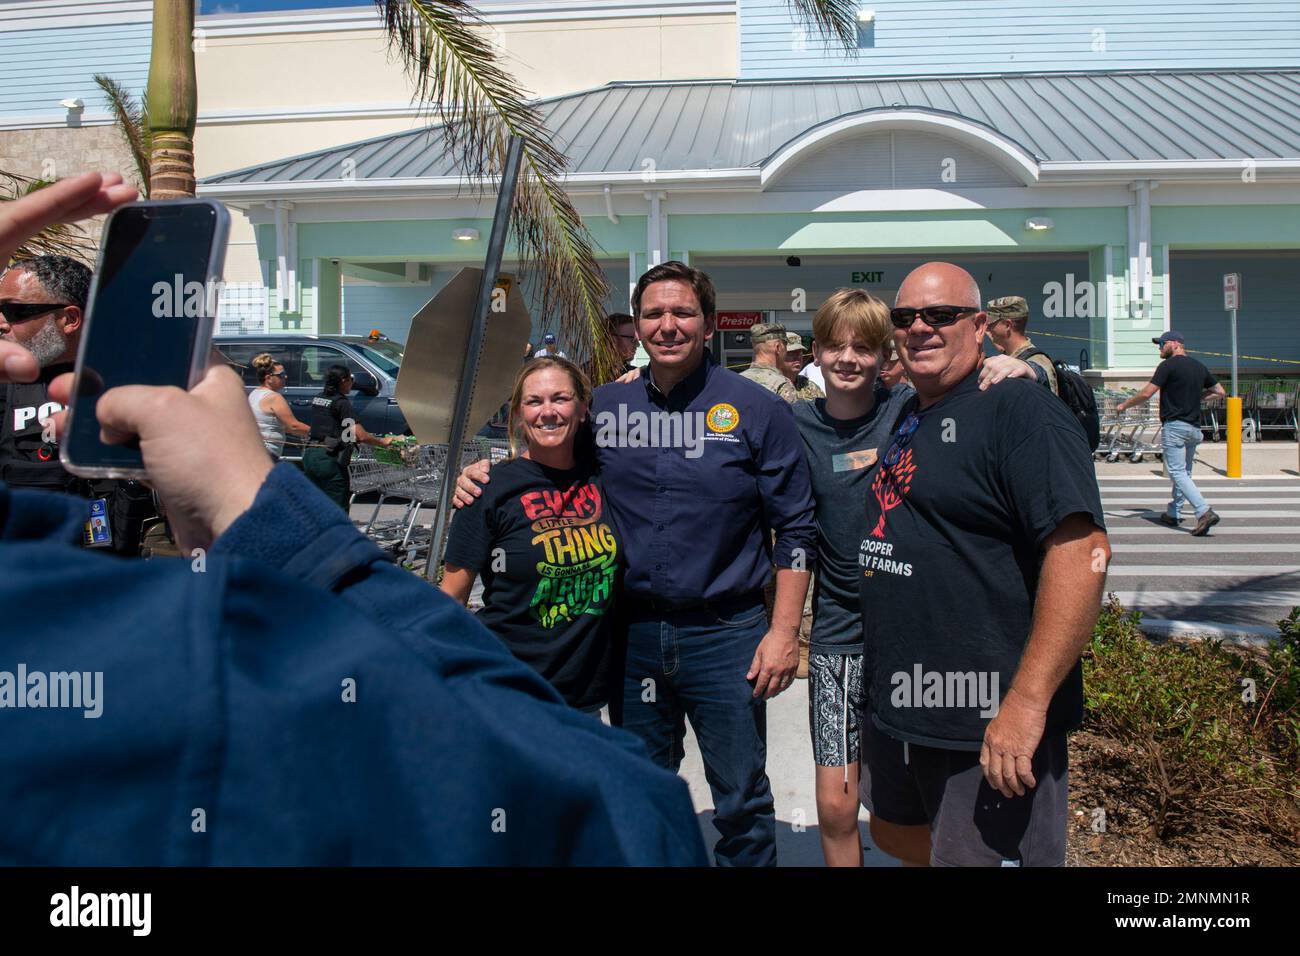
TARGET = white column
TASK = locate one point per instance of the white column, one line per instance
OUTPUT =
(286, 256)
(656, 230)
(1133, 293)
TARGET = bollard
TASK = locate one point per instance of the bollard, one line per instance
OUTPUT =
(1234, 437)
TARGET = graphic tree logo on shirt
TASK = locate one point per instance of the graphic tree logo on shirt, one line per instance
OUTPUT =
(889, 487)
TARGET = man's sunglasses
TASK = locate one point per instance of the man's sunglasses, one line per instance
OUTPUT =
(901, 438)
(22, 311)
(935, 316)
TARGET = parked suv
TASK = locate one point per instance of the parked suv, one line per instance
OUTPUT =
(373, 361)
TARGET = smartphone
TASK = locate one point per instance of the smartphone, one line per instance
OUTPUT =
(149, 318)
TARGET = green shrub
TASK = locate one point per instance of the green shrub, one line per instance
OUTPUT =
(1217, 731)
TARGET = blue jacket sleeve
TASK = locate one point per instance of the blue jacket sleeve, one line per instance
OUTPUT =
(785, 488)
(462, 730)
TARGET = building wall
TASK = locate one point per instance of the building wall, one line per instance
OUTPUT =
(274, 87)
(1267, 324)
(1012, 36)
(49, 51)
(56, 152)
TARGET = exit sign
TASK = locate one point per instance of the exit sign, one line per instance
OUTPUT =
(869, 277)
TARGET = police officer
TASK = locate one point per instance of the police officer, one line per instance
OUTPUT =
(42, 308)
(804, 387)
(334, 433)
(768, 341)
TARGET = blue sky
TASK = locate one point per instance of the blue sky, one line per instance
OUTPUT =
(257, 6)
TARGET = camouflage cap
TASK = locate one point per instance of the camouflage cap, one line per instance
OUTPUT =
(792, 341)
(1008, 307)
(761, 332)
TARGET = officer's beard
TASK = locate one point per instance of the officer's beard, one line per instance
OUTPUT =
(48, 345)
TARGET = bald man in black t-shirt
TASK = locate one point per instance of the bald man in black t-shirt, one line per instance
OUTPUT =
(981, 581)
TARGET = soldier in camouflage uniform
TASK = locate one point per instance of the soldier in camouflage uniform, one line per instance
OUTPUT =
(768, 370)
(804, 387)
(1008, 317)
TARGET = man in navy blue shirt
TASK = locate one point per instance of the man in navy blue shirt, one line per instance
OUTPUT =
(707, 482)
(284, 694)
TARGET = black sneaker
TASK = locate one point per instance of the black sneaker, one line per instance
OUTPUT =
(1204, 523)
(1168, 521)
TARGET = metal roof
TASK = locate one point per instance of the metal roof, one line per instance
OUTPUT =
(1106, 117)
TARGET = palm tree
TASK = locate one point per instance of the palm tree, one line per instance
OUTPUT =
(61, 239)
(459, 82)
(172, 98)
(132, 120)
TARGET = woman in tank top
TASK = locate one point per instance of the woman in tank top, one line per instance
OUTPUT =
(274, 418)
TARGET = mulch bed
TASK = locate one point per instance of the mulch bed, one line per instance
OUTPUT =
(1103, 773)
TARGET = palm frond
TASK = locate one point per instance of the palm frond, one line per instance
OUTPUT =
(837, 20)
(460, 83)
(132, 122)
(61, 239)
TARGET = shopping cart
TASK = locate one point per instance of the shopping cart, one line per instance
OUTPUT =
(412, 474)
(1134, 433)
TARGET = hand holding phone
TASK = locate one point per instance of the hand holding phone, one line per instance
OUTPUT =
(148, 321)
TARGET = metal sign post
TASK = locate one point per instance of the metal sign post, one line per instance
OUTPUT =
(465, 394)
(1231, 301)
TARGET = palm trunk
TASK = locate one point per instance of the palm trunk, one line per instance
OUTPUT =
(173, 100)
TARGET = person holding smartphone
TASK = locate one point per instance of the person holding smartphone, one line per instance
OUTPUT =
(274, 417)
(542, 540)
(298, 770)
(334, 433)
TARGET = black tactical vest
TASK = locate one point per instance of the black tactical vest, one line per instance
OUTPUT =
(27, 460)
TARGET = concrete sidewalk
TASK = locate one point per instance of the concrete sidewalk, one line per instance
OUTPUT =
(790, 768)
(1273, 459)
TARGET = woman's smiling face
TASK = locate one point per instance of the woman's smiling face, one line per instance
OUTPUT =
(550, 410)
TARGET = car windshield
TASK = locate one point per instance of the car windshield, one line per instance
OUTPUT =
(386, 354)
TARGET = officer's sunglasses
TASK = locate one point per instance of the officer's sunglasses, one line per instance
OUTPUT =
(935, 316)
(22, 311)
(904, 435)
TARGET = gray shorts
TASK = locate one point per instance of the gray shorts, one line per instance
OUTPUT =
(834, 702)
(971, 824)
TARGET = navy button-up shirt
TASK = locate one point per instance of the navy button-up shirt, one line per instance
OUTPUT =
(698, 480)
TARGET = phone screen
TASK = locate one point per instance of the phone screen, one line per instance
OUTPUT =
(151, 299)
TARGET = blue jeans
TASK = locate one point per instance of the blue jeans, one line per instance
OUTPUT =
(692, 664)
(1180, 440)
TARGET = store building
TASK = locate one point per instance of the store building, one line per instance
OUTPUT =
(1108, 161)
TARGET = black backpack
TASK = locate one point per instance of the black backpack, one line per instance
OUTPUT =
(1078, 397)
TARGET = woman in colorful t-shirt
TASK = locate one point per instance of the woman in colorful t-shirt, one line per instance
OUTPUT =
(540, 538)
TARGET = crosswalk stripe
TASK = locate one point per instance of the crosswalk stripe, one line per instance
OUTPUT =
(1131, 502)
(1200, 570)
(1198, 599)
(1198, 474)
(1292, 490)
(1219, 548)
(1229, 513)
(1218, 530)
